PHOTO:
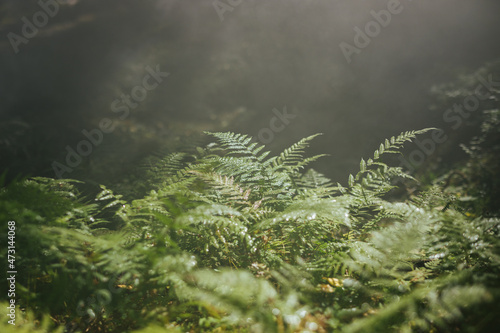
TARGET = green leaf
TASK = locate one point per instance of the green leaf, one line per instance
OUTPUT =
(362, 165)
(351, 180)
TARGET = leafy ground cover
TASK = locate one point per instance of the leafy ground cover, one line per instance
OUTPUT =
(230, 239)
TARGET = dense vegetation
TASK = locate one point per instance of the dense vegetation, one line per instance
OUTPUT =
(216, 233)
(227, 238)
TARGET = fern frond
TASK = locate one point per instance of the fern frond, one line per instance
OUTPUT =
(239, 144)
(217, 214)
(253, 303)
(168, 165)
(315, 184)
(393, 144)
(244, 169)
(375, 175)
(292, 156)
(425, 309)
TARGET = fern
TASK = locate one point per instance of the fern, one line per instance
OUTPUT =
(292, 157)
(230, 239)
(315, 184)
(373, 174)
(239, 144)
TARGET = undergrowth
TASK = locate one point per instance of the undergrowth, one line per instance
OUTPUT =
(231, 239)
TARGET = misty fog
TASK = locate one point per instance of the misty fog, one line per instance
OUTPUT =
(232, 66)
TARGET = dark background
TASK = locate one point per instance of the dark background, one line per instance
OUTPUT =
(228, 75)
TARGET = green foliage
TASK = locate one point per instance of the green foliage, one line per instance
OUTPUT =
(229, 238)
(25, 323)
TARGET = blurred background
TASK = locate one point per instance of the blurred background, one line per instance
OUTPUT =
(230, 64)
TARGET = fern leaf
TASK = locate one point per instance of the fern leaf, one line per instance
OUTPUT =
(293, 154)
(239, 144)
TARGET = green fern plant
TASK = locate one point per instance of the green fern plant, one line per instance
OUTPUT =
(230, 238)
